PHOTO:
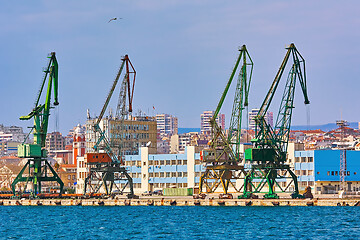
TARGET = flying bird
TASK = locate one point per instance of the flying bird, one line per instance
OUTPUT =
(113, 19)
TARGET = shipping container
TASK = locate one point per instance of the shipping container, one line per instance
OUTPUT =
(178, 191)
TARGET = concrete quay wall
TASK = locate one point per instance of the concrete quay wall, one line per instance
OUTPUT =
(181, 201)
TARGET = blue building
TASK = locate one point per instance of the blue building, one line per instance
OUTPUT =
(320, 169)
(157, 171)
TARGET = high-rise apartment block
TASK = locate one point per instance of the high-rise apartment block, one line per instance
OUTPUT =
(54, 141)
(166, 124)
(12, 133)
(254, 112)
(205, 121)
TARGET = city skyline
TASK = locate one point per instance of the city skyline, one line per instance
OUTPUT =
(199, 38)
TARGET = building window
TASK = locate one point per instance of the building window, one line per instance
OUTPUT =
(162, 174)
(173, 174)
(178, 162)
(157, 174)
(348, 173)
(179, 174)
(311, 159)
(69, 177)
(168, 162)
(332, 173)
(162, 162)
(319, 172)
(184, 162)
(168, 174)
(328, 173)
(185, 174)
(173, 162)
(336, 173)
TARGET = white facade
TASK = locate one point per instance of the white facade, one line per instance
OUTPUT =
(205, 117)
(254, 112)
(166, 124)
(82, 172)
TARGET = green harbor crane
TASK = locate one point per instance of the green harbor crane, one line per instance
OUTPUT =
(268, 155)
(110, 173)
(223, 157)
(37, 168)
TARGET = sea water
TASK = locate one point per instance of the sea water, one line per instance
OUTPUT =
(177, 222)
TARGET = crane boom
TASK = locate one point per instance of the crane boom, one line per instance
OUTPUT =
(300, 62)
(110, 93)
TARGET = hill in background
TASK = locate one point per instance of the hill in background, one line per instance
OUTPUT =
(324, 127)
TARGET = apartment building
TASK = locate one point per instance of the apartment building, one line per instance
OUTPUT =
(135, 133)
(269, 118)
(205, 125)
(167, 125)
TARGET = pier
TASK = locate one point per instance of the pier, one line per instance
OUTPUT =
(182, 201)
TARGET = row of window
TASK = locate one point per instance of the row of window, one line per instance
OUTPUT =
(131, 127)
(168, 174)
(161, 163)
(337, 173)
(168, 162)
(71, 176)
(304, 159)
(128, 136)
(304, 172)
(164, 174)
(160, 185)
(82, 175)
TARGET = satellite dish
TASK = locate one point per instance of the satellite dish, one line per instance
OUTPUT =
(148, 143)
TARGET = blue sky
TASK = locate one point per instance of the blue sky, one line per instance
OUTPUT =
(183, 52)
